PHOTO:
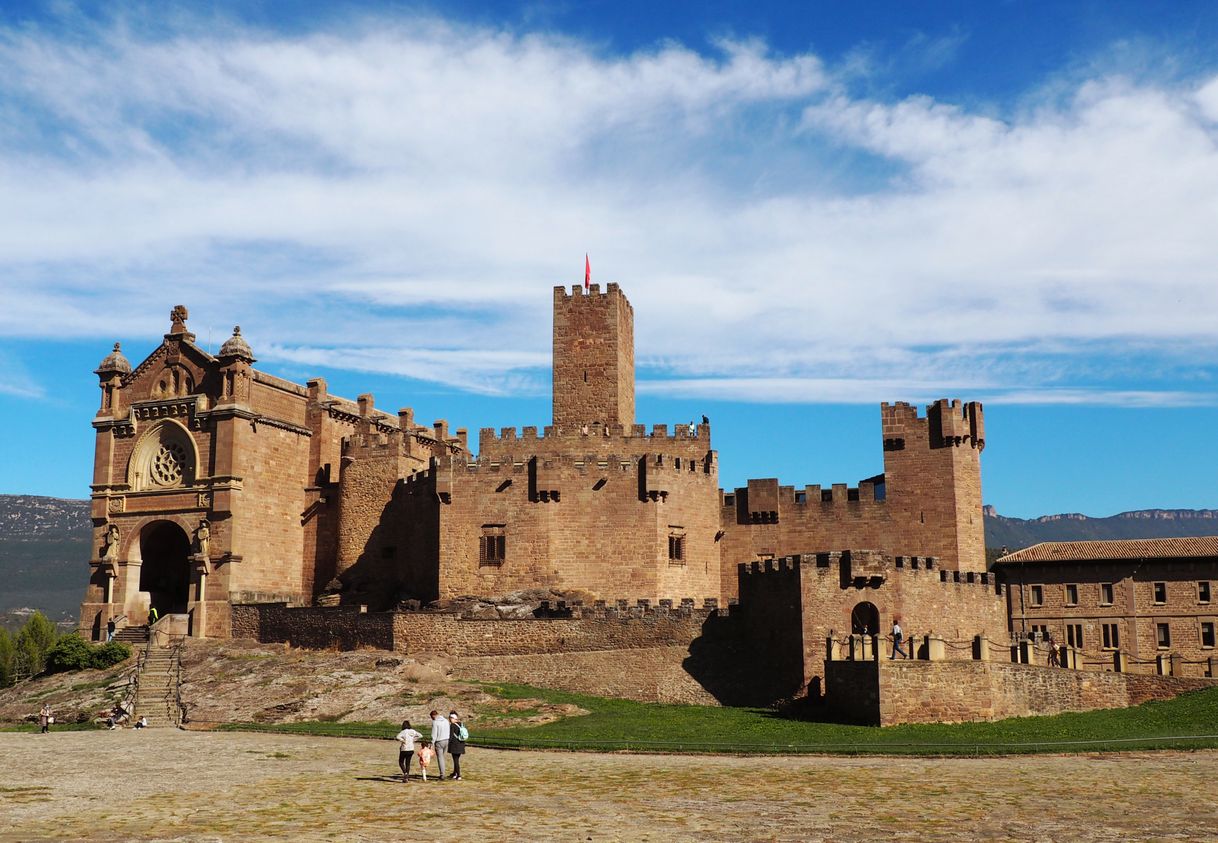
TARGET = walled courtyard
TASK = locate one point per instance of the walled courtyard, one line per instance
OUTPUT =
(170, 785)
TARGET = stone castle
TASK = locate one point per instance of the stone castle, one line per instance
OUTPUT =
(241, 504)
(293, 489)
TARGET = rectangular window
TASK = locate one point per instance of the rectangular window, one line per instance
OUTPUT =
(1071, 595)
(1160, 592)
(1105, 594)
(1040, 632)
(1163, 635)
(1112, 636)
(492, 545)
(1203, 591)
(1038, 595)
(1207, 634)
(676, 545)
(1074, 635)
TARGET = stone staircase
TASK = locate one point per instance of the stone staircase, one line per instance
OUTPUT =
(157, 693)
(133, 635)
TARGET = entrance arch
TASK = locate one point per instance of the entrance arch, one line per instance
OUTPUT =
(165, 572)
(865, 619)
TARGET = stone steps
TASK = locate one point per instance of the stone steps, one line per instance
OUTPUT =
(158, 688)
(132, 635)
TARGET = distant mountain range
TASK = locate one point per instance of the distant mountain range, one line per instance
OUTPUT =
(1015, 533)
(44, 544)
(44, 556)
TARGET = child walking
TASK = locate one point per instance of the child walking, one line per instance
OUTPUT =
(426, 753)
(406, 739)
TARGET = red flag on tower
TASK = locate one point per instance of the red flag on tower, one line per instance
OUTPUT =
(587, 272)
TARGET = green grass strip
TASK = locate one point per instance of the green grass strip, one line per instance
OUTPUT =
(1189, 721)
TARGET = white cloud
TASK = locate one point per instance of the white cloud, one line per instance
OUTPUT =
(400, 197)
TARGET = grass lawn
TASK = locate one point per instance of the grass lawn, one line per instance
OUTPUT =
(1187, 722)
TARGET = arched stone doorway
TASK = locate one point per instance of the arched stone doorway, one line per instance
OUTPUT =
(865, 619)
(165, 572)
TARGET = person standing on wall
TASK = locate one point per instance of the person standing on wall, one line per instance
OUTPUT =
(439, 738)
(457, 735)
(897, 637)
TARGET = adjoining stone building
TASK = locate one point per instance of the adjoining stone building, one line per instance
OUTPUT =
(216, 484)
(1146, 598)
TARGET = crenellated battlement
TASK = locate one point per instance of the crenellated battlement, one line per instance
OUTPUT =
(491, 438)
(946, 424)
(871, 566)
(593, 296)
(593, 464)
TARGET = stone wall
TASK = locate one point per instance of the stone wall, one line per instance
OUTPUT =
(887, 693)
(649, 674)
(799, 601)
(417, 632)
(926, 503)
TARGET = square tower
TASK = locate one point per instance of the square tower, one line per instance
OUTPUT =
(593, 358)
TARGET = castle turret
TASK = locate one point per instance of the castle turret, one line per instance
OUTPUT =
(932, 475)
(593, 358)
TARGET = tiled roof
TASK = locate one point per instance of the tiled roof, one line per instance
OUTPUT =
(1180, 548)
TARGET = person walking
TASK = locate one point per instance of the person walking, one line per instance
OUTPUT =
(110, 626)
(897, 637)
(406, 739)
(457, 735)
(440, 731)
(45, 718)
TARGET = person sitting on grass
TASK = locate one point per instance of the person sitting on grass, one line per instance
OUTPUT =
(406, 739)
(426, 753)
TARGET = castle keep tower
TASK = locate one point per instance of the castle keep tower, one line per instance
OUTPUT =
(593, 358)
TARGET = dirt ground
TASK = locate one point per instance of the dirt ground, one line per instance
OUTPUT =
(172, 785)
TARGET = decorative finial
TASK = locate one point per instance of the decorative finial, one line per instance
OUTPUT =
(236, 330)
(118, 346)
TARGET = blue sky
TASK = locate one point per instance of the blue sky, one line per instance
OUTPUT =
(813, 207)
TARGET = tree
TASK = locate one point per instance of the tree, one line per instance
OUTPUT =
(34, 640)
(7, 654)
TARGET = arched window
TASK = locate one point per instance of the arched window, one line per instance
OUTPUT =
(165, 458)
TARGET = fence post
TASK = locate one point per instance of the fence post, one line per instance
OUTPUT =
(1176, 664)
(1120, 662)
(1027, 652)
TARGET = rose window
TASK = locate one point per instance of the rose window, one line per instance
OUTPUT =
(168, 464)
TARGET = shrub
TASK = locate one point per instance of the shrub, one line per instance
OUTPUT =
(110, 654)
(74, 653)
(69, 653)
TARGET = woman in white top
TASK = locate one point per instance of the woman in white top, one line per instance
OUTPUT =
(406, 739)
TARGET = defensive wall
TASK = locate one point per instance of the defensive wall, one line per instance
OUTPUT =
(791, 606)
(612, 626)
(927, 501)
(885, 693)
(653, 653)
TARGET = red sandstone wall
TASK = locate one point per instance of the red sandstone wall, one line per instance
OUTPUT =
(266, 522)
